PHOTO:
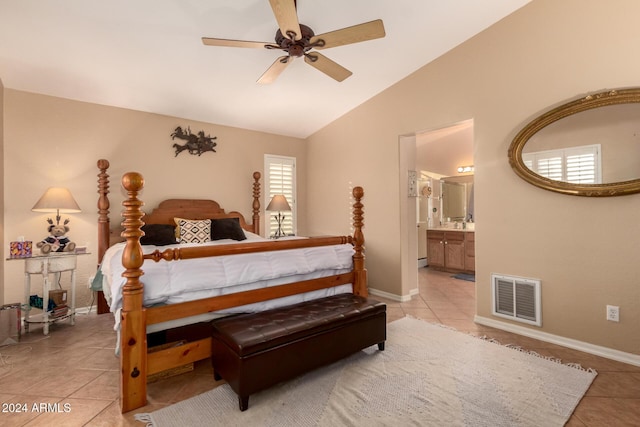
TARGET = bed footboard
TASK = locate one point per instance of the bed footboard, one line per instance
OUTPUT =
(135, 363)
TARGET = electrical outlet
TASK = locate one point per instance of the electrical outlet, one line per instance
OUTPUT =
(613, 313)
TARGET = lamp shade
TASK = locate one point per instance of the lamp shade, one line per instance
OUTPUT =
(56, 199)
(278, 204)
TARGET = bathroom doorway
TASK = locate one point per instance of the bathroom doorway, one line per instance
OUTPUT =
(432, 154)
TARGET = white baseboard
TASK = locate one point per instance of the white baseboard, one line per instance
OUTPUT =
(609, 353)
(394, 297)
(87, 310)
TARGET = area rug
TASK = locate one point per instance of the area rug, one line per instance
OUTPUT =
(428, 375)
(465, 276)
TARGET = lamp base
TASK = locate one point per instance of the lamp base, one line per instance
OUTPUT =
(279, 233)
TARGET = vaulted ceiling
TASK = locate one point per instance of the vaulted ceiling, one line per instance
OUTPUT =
(148, 55)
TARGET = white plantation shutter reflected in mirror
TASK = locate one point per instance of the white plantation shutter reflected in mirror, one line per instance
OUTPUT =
(577, 165)
(280, 178)
(550, 167)
(582, 166)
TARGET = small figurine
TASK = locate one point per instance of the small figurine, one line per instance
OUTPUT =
(57, 241)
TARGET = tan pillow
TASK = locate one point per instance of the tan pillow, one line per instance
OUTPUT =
(193, 231)
(177, 229)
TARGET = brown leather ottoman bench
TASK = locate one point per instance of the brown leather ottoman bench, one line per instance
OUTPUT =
(255, 351)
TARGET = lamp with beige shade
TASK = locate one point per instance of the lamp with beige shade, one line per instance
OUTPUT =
(56, 199)
(278, 204)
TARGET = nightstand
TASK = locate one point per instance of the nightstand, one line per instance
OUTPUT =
(44, 265)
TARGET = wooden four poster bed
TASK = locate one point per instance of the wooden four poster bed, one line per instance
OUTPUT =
(135, 318)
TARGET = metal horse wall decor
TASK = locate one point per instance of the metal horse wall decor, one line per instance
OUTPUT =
(196, 143)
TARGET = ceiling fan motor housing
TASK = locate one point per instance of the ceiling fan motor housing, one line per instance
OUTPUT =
(296, 47)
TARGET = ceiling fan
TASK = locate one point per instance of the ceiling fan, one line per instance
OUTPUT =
(299, 40)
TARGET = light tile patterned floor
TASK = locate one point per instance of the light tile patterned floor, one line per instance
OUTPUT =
(75, 368)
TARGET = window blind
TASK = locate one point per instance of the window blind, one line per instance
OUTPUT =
(578, 165)
(281, 179)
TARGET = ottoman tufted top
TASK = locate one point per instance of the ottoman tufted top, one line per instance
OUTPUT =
(253, 332)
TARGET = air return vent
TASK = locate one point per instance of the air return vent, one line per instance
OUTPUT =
(516, 298)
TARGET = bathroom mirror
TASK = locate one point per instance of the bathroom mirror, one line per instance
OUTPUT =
(605, 125)
(456, 202)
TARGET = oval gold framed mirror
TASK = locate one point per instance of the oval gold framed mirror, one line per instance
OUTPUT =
(586, 147)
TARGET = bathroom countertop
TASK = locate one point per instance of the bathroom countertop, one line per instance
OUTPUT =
(452, 229)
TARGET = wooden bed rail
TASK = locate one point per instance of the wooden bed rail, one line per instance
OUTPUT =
(135, 363)
(166, 313)
(243, 248)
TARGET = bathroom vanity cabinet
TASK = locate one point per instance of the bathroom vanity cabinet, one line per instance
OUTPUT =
(451, 250)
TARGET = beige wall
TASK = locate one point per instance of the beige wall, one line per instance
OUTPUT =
(2, 249)
(442, 151)
(584, 250)
(56, 142)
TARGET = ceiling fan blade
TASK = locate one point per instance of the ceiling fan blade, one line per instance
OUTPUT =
(327, 66)
(287, 17)
(233, 43)
(355, 34)
(274, 71)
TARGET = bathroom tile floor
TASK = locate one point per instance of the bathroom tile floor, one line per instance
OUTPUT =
(74, 369)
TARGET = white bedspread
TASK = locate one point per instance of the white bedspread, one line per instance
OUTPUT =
(168, 282)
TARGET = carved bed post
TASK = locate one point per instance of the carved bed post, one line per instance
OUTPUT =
(256, 202)
(103, 224)
(133, 344)
(360, 273)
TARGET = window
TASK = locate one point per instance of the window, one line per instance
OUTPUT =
(280, 178)
(577, 165)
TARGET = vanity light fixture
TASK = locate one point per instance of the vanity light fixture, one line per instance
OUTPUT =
(465, 169)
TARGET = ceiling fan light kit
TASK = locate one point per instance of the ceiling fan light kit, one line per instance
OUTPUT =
(299, 40)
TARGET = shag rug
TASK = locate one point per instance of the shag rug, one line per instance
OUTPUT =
(428, 375)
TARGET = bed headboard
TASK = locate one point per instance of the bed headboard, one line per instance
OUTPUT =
(194, 209)
(167, 210)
